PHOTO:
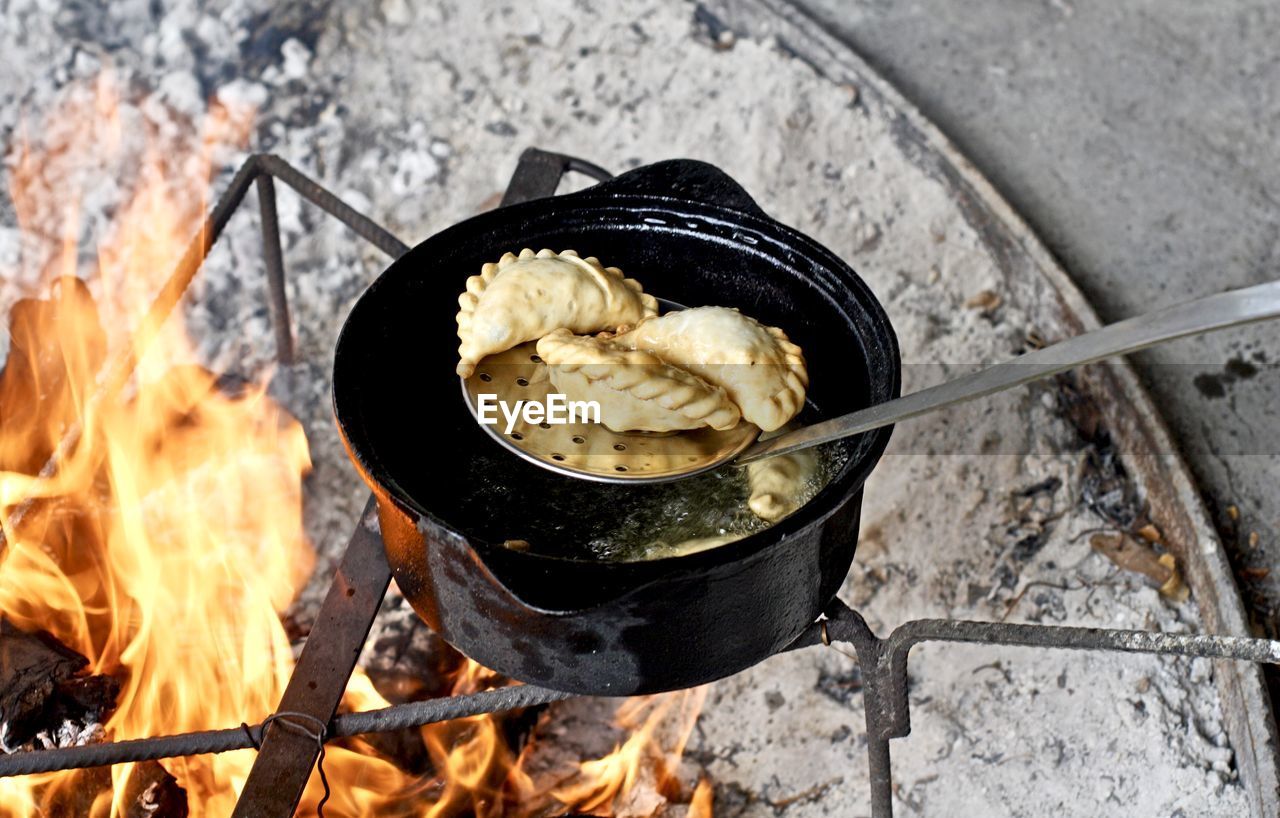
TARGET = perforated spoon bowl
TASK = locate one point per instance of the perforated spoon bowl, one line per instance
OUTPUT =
(593, 452)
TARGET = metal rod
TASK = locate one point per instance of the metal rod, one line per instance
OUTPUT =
(395, 717)
(363, 226)
(880, 771)
(280, 772)
(841, 619)
(431, 711)
(1240, 648)
(273, 255)
(879, 691)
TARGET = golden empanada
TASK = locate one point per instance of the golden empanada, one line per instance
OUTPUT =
(660, 549)
(779, 484)
(522, 298)
(636, 390)
(763, 372)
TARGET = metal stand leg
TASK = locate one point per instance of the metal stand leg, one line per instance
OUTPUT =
(881, 777)
(284, 763)
(884, 700)
(884, 665)
(274, 257)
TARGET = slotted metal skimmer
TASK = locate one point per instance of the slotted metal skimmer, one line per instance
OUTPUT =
(591, 451)
(585, 449)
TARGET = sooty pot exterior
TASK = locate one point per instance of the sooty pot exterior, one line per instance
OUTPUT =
(690, 233)
(686, 621)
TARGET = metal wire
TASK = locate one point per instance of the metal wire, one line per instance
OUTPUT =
(294, 720)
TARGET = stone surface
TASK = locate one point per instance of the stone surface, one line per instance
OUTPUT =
(1139, 141)
(415, 114)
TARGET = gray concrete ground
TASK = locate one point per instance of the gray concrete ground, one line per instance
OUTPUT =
(1139, 139)
(415, 112)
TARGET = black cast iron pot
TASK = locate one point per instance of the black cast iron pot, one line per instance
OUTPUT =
(690, 234)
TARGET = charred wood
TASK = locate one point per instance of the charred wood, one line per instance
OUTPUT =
(45, 699)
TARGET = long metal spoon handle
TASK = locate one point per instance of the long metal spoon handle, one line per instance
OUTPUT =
(1214, 312)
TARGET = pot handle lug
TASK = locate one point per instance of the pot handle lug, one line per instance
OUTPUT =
(538, 174)
(684, 179)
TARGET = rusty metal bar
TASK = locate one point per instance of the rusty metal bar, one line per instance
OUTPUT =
(363, 226)
(273, 256)
(884, 665)
(280, 772)
(395, 717)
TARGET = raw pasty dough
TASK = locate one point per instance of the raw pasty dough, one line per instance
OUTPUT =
(522, 298)
(636, 390)
(763, 372)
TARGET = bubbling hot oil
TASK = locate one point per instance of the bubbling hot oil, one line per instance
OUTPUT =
(656, 521)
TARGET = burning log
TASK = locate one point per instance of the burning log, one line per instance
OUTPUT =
(570, 763)
(45, 701)
(153, 793)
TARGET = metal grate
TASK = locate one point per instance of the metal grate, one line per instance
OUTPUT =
(289, 745)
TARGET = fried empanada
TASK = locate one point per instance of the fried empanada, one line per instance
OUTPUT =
(779, 484)
(660, 549)
(763, 372)
(636, 390)
(522, 298)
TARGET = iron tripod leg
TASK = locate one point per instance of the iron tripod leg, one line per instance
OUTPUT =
(884, 698)
(884, 664)
(881, 778)
(287, 754)
(273, 256)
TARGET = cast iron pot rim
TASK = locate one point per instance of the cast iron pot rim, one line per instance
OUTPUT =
(848, 482)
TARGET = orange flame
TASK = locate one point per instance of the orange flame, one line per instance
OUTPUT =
(601, 783)
(168, 541)
(700, 804)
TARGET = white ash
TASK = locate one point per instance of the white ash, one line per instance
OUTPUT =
(421, 131)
